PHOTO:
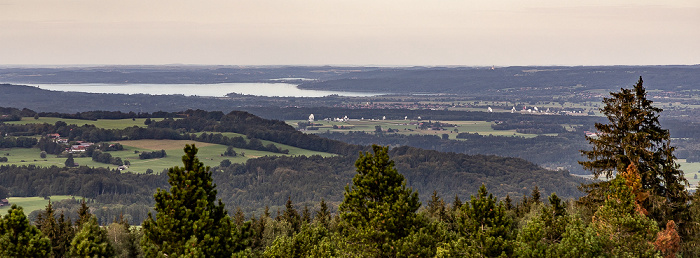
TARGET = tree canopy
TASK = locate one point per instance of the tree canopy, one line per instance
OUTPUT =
(633, 137)
(188, 221)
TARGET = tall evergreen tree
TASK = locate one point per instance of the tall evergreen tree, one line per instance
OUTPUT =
(69, 161)
(634, 136)
(188, 221)
(323, 215)
(59, 231)
(91, 241)
(83, 214)
(20, 239)
(292, 216)
(378, 208)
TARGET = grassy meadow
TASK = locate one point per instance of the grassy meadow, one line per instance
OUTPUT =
(30, 204)
(404, 127)
(209, 154)
(101, 123)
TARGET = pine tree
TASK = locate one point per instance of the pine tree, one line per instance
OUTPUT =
(69, 161)
(457, 203)
(83, 214)
(487, 224)
(536, 195)
(59, 231)
(239, 217)
(634, 136)
(436, 207)
(378, 209)
(323, 215)
(508, 202)
(188, 220)
(483, 227)
(292, 216)
(20, 239)
(306, 215)
(91, 241)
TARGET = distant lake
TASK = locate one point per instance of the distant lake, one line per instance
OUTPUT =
(208, 90)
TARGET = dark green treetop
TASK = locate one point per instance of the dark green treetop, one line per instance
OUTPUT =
(378, 208)
(188, 221)
(20, 239)
(91, 241)
(60, 231)
(634, 136)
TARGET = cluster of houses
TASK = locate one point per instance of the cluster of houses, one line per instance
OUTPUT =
(81, 146)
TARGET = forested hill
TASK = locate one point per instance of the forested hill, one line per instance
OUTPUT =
(270, 180)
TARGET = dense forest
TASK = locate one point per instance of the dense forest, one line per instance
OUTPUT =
(560, 151)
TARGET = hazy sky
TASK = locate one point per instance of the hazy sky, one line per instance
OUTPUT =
(350, 32)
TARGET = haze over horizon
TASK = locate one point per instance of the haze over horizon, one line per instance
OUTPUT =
(361, 32)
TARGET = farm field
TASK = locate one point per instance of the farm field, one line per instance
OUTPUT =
(209, 154)
(404, 127)
(690, 170)
(101, 123)
(30, 204)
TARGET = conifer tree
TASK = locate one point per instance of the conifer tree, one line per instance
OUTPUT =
(536, 195)
(436, 207)
(188, 221)
(292, 216)
(239, 217)
(633, 136)
(487, 224)
(59, 231)
(70, 162)
(323, 215)
(457, 203)
(83, 214)
(91, 241)
(483, 227)
(378, 209)
(306, 215)
(20, 239)
(508, 202)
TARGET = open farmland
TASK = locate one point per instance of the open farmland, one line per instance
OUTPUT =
(101, 123)
(30, 204)
(209, 154)
(410, 127)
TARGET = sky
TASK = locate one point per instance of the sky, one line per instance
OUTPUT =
(350, 32)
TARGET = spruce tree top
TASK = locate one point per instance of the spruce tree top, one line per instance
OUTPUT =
(379, 198)
(188, 220)
(633, 135)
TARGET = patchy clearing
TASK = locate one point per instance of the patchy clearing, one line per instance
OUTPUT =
(162, 144)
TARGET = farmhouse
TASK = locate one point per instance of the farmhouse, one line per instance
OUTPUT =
(4, 202)
(80, 147)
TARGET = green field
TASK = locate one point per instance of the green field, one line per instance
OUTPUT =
(30, 204)
(690, 170)
(404, 127)
(101, 123)
(209, 154)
